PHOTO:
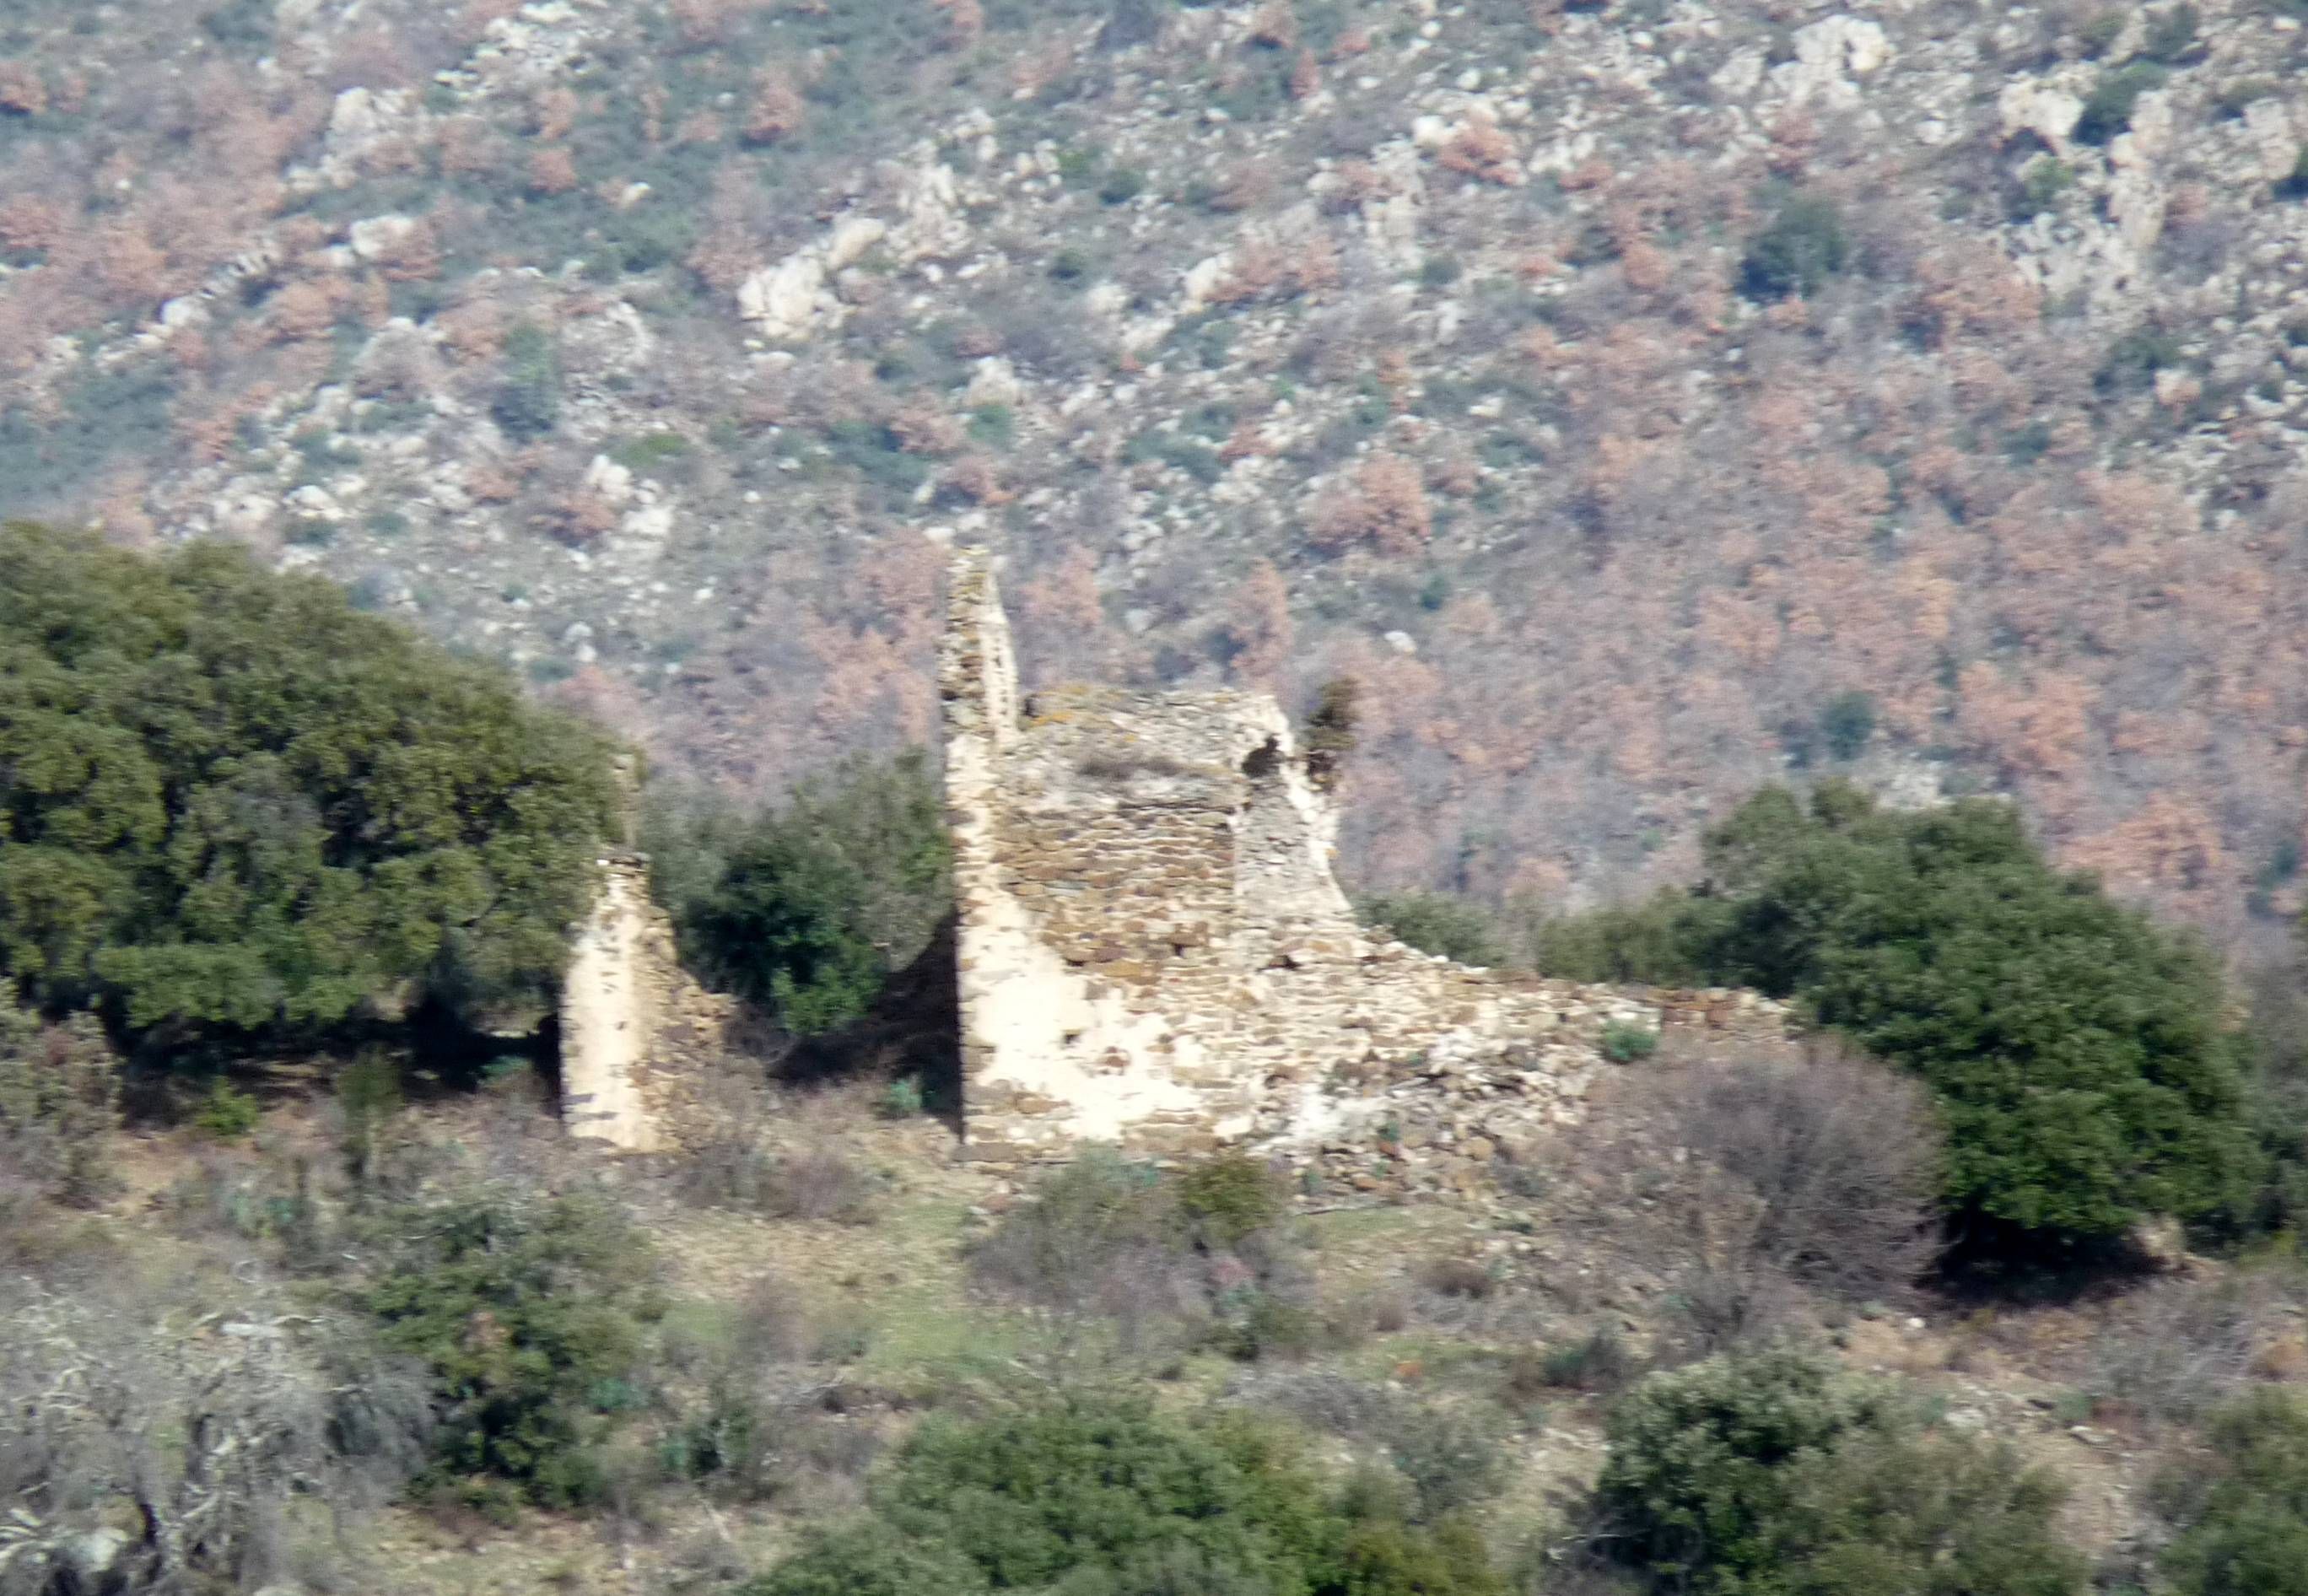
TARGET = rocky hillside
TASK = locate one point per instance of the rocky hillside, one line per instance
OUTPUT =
(1642, 399)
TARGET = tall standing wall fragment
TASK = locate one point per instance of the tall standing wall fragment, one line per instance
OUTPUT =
(1152, 946)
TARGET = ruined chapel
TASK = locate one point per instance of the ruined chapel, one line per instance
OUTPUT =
(1151, 949)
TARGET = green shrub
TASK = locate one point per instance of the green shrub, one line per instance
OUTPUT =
(2076, 1052)
(993, 425)
(528, 403)
(1624, 1042)
(653, 452)
(1259, 1325)
(2098, 35)
(2134, 359)
(1103, 1497)
(866, 1560)
(1097, 1219)
(1696, 1479)
(2041, 184)
(1228, 1196)
(1438, 923)
(1667, 940)
(1600, 1361)
(2236, 97)
(1033, 1497)
(1122, 185)
(2107, 110)
(240, 25)
(1805, 245)
(236, 801)
(59, 1106)
(1766, 1473)
(2243, 1522)
(808, 910)
(527, 1317)
(1848, 723)
(1448, 1459)
(1938, 1514)
(368, 1095)
(227, 1113)
(2171, 37)
(1331, 730)
(900, 1100)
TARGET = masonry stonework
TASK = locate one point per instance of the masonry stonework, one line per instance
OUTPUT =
(1153, 949)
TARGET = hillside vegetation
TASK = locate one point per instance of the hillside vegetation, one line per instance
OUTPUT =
(1643, 399)
(1702, 459)
(228, 800)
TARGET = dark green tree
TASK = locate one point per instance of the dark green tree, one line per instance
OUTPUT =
(528, 403)
(531, 1322)
(2075, 1050)
(228, 799)
(1438, 923)
(2245, 1519)
(2107, 109)
(865, 1559)
(1792, 257)
(1767, 1473)
(808, 910)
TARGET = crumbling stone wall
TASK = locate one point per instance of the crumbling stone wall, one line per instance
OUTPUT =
(1152, 948)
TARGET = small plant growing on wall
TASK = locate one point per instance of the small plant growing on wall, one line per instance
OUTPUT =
(1623, 1042)
(1330, 730)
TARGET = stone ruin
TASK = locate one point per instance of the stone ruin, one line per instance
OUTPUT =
(1153, 949)
(637, 1034)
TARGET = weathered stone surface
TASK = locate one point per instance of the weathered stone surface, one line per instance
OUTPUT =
(1152, 948)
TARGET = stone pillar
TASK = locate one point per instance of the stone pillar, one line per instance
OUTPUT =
(977, 680)
(606, 1025)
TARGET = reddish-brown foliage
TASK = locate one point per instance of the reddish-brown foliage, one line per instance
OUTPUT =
(1382, 503)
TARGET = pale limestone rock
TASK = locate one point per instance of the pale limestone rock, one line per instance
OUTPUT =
(2270, 127)
(1203, 279)
(783, 300)
(612, 481)
(1742, 74)
(1830, 53)
(2150, 136)
(355, 118)
(850, 238)
(2030, 106)
(649, 523)
(993, 382)
(373, 238)
(2136, 203)
(316, 501)
(930, 223)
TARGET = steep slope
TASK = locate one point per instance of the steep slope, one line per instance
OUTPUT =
(1641, 399)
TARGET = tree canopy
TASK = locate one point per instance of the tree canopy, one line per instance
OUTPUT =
(2076, 1050)
(230, 800)
(808, 908)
